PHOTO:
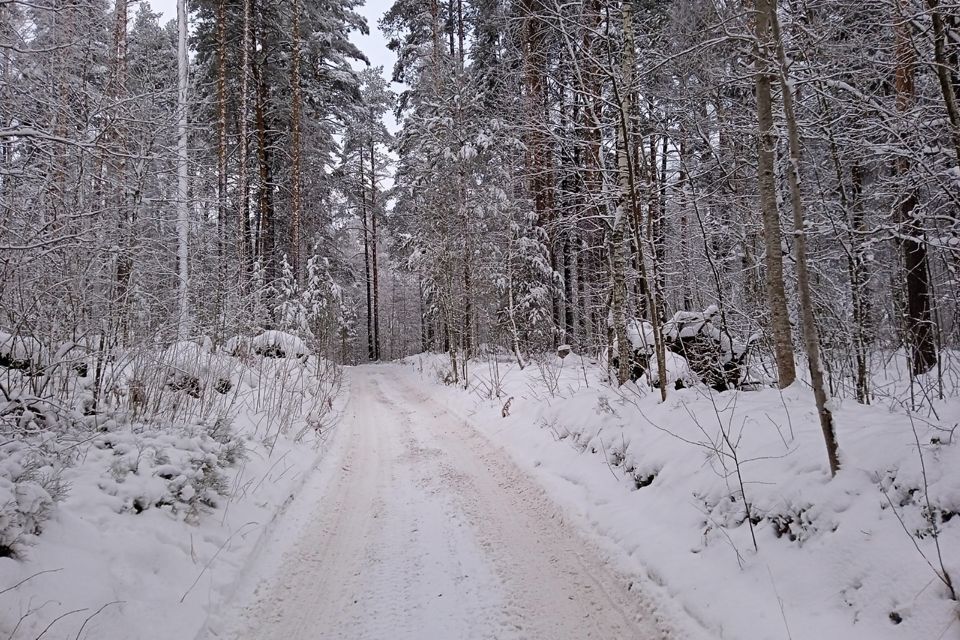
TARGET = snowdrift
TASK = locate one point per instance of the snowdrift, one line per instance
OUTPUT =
(723, 501)
(135, 485)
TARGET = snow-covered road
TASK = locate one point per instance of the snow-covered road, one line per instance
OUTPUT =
(421, 529)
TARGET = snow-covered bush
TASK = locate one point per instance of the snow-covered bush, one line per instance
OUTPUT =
(313, 311)
(549, 366)
(30, 486)
(180, 469)
(132, 469)
(709, 348)
(153, 426)
(193, 368)
(238, 347)
(38, 439)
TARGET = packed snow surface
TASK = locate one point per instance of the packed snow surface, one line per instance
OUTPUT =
(421, 529)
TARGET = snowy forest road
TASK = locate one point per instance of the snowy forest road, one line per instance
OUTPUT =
(427, 531)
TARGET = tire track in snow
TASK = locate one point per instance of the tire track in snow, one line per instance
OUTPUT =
(429, 533)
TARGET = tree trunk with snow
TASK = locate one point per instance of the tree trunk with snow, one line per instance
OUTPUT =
(266, 238)
(618, 260)
(222, 218)
(183, 221)
(126, 214)
(374, 267)
(766, 184)
(367, 271)
(808, 322)
(245, 241)
(918, 318)
(627, 174)
(858, 285)
(295, 150)
(942, 66)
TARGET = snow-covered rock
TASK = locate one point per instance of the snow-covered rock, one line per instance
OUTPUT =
(279, 344)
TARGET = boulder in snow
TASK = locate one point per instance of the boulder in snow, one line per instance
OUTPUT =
(697, 348)
(279, 344)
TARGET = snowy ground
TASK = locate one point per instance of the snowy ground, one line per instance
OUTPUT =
(584, 512)
(418, 528)
(133, 552)
(656, 487)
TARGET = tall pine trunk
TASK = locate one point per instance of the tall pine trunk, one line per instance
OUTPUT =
(539, 161)
(244, 248)
(918, 319)
(222, 218)
(295, 150)
(126, 214)
(266, 239)
(373, 248)
(368, 277)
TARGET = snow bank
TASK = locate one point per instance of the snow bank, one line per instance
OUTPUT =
(676, 493)
(134, 519)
